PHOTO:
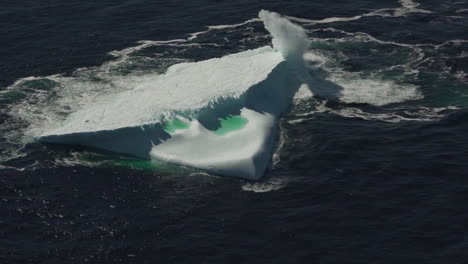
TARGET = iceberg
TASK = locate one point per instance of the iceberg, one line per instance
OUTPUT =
(219, 115)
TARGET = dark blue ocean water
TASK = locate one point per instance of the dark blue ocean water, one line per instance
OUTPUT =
(379, 176)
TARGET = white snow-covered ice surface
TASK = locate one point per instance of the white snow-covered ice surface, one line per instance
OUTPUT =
(220, 115)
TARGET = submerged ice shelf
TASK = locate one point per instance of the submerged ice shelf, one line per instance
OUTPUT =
(219, 115)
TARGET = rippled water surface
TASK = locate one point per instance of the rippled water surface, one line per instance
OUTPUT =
(378, 175)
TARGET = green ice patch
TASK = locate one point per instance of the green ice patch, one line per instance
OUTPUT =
(230, 124)
(173, 125)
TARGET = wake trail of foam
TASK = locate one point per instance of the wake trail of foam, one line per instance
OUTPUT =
(280, 144)
(177, 42)
(390, 115)
(218, 27)
(327, 20)
(367, 37)
(407, 7)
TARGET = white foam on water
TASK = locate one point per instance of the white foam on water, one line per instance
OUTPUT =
(374, 91)
(325, 20)
(268, 185)
(43, 112)
(303, 93)
(391, 115)
(145, 44)
(280, 144)
(421, 115)
(407, 7)
(219, 27)
(318, 59)
(354, 88)
(365, 37)
(362, 36)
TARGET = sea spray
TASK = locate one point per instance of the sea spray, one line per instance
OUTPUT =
(288, 38)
